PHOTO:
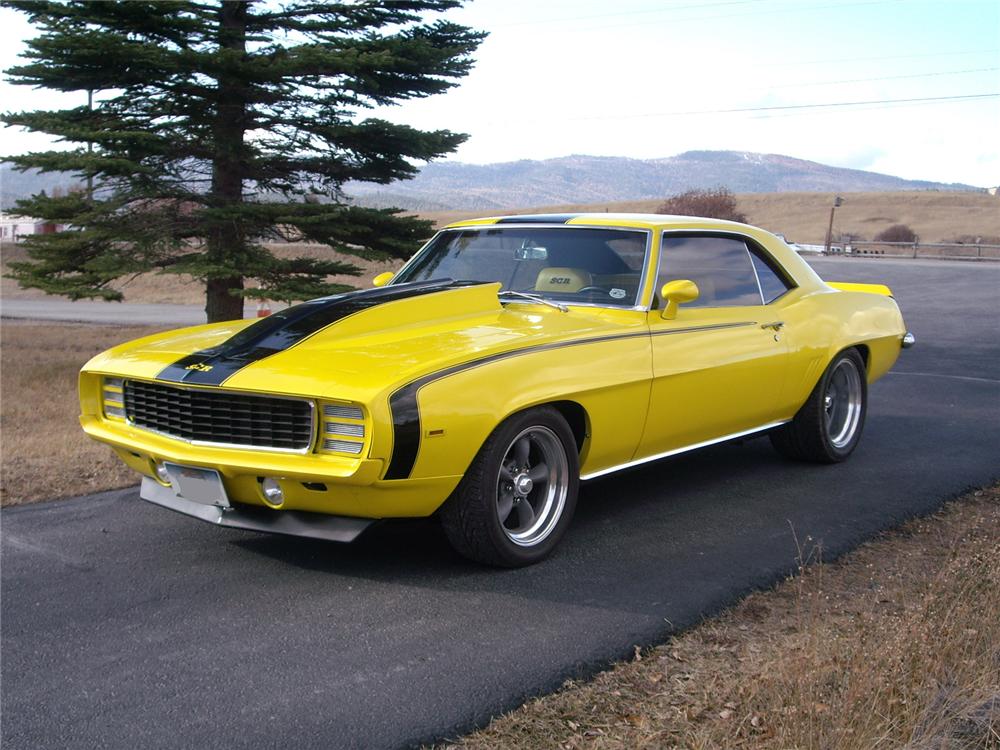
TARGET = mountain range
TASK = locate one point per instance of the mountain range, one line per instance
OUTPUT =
(595, 179)
(574, 179)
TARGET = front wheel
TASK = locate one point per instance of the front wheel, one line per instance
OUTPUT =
(828, 426)
(517, 498)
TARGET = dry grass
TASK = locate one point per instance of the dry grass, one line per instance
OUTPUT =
(43, 451)
(802, 217)
(895, 646)
(177, 289)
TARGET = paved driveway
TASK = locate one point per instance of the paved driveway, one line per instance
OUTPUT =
(124, 625)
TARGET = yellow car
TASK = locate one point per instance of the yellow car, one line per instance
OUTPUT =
(508, 360)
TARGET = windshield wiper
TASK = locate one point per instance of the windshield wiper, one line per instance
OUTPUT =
(532, 298)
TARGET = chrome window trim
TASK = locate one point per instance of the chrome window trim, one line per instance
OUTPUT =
(784, 278)
(684, 449)
(313, 422)
(643, 277)
(756, 277)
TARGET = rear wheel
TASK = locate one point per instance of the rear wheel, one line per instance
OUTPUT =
(828, 427)
(517, 498)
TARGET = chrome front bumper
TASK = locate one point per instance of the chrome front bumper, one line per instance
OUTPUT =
(289, 522)
(908, 340)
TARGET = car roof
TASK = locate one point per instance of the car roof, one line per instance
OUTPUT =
(644, 221)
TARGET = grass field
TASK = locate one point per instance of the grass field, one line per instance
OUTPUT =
(801, 217)
(895, 646)
(182, 290)
(43, 452)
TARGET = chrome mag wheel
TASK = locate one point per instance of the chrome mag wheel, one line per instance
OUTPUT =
(842, 403)
(532, 486)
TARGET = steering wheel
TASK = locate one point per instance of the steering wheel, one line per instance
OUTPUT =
(593, 289)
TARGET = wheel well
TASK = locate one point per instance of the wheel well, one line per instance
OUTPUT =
(865, 353)
(576, 416)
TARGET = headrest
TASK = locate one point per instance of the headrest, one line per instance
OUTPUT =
(562, 280)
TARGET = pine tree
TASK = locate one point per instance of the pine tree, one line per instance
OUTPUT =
(217, 126)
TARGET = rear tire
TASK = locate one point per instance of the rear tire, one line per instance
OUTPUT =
(517, 498)
(828, 426)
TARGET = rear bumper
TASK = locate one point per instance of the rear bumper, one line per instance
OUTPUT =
(290, 522)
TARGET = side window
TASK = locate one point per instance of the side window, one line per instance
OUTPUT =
(772, 285)
(720, 266)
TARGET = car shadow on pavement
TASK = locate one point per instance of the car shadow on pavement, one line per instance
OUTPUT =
(700, 528)
(683, 511)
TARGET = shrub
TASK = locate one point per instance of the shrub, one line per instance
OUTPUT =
(713, 204)
(897, 233)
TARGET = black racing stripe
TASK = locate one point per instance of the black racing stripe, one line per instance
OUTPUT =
(406, 412)
(285, 329)
(537, 219)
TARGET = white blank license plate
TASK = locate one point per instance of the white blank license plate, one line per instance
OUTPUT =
(200, 485)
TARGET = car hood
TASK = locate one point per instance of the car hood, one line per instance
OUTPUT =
(357, 345)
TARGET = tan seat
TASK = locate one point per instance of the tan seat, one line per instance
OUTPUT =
(558, 279)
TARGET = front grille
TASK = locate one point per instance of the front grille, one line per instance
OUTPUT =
(219, 416)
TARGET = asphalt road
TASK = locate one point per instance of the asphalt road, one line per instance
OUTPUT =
(121, 313)
(124, 625)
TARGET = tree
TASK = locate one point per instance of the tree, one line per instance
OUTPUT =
(714, 204)
(218, 125)
(897, 233)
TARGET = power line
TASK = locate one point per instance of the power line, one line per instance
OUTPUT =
(787, 63)
(787, 107)
(770, 11)
(671, 8)
(880, 78)
(901, 104)
(841, 104)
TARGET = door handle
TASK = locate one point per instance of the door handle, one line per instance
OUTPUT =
(776, 325)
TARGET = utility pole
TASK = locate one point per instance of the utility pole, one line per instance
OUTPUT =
(829, 230)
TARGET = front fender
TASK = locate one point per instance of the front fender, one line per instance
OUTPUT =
(458, 410)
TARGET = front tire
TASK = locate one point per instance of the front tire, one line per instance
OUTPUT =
(828, 427)
(517, 498)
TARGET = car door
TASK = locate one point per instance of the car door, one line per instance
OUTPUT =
(719, 366)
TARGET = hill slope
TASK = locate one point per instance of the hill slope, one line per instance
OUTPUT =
(442, 186)
(592, 179)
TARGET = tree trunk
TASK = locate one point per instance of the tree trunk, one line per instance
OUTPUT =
(226, 241)
(220, 303)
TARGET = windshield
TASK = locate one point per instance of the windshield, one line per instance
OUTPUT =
(563, 264)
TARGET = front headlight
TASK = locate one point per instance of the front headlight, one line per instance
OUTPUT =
(113, 398)
(343, 428)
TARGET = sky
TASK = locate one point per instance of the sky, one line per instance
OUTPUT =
(833, 82)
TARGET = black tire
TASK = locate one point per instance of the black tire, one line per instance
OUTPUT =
(828, 431)
(474, 517)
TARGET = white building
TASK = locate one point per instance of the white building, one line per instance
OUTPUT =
(13, 227)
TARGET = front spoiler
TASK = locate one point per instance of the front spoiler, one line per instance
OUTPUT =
(290, 522)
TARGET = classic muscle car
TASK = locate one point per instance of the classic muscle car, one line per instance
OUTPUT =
(508, 360)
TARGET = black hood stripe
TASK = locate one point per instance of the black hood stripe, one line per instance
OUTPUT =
(283, 330)
(406, 412)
